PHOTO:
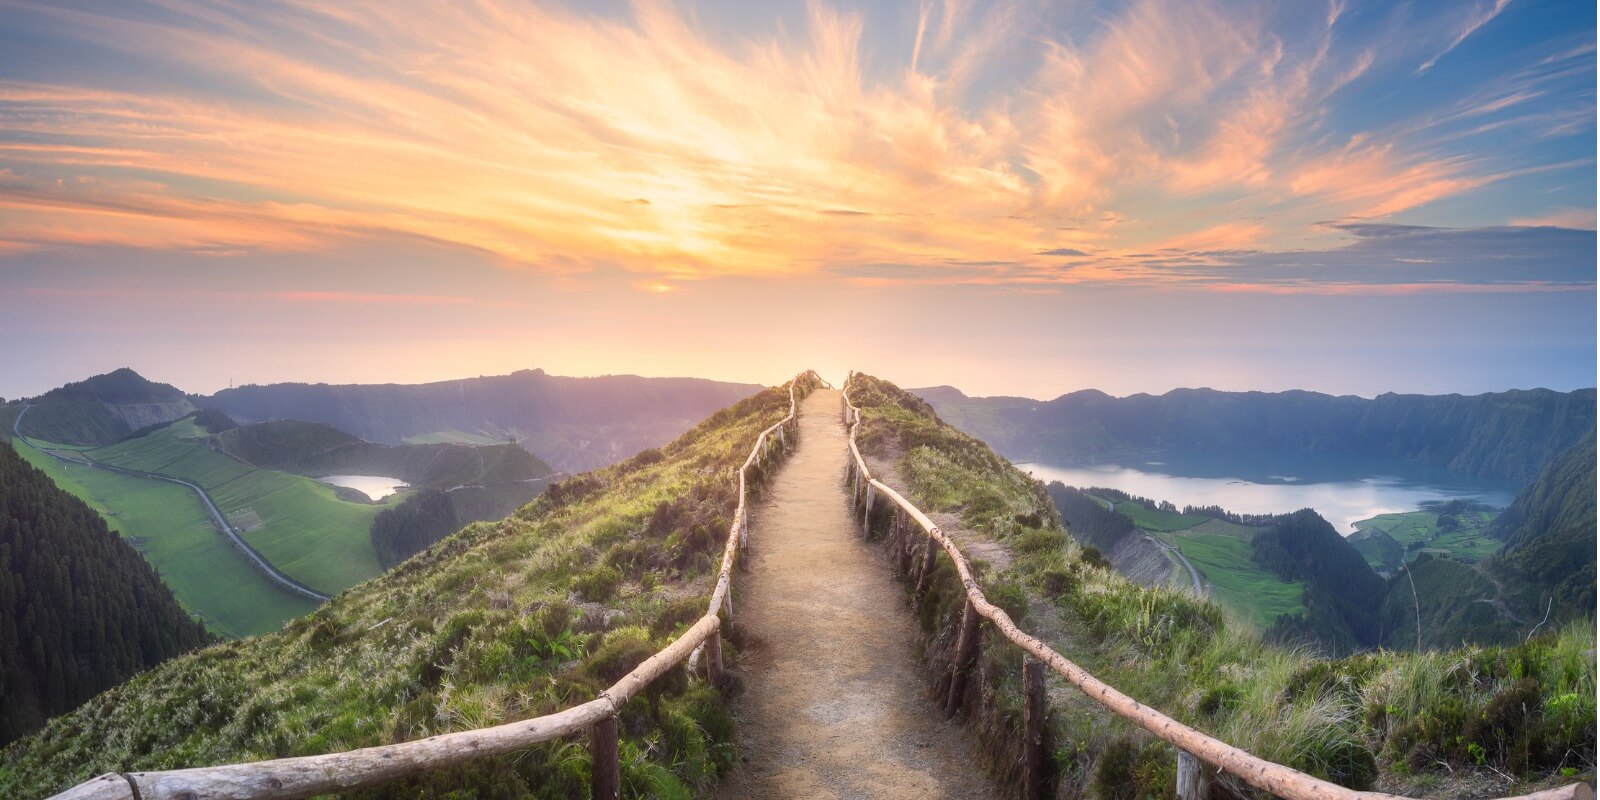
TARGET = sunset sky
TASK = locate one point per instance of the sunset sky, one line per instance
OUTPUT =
(1012, 197)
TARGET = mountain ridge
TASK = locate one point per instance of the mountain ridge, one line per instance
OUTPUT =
(1507, 435)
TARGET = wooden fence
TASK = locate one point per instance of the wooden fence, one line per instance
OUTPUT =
(288, 778)
(1193, 746)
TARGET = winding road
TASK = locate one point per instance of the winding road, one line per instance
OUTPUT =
(216, 514)
(1194, 575)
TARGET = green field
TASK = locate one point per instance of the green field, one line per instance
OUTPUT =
(1153, 520)
(1413, 532)
(168, 524)
(1238, 583)
(306, 531)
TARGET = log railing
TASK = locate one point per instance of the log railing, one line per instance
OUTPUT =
(1193, 746)
(307, 776)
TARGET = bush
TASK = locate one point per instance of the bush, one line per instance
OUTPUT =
(619, 653)
(1039, 541)
(597, 585)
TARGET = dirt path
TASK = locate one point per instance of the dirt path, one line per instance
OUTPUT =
(834, 704)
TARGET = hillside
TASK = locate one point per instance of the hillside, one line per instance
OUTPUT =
(573, 424)
(1442, 723)
(309, 448)
(499, 622)
(102, 410)
(1506, 435)
(80, 610)
(1342, 593)
(304, 528)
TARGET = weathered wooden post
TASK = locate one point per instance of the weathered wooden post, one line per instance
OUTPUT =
(966, 649)
(605, 771)
(930, 552)
(1194, 778)
(866, 512)
(1035, 756)
(714, 659)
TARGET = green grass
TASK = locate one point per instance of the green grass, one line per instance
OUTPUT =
(307, 531)
(1417, 532)
(474, 631)
(1239, 584)
(168, 524)
(1392, 719)
(1222, 527)
(1153, 520)
(453, 436)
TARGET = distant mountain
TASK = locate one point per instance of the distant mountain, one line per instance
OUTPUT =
(80, 609)
(103, 409)
(1506, 435)
(574, 424)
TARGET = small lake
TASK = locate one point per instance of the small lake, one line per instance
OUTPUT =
(1342, 491)
(373, 486)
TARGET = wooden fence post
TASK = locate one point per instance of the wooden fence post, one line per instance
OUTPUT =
(929, 553)
(1194, 780)
(1035, 756)
(714, 659)
(866, 513)
(605, 771)
(966, 648)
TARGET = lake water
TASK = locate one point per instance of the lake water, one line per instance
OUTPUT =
(373, 486)
(1343, 492)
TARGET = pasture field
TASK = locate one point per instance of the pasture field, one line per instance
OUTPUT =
(1153, 520)
(306, 530)
(1239, 584)
(1418, 531)
(1222, 527)
(453, 436)
(168, 524)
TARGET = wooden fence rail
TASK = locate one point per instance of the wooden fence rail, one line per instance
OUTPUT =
(307, 776)
(1267, 776)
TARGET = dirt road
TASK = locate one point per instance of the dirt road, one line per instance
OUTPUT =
(834, 704)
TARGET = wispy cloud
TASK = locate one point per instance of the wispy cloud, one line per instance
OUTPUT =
(1480, 15)
(569, 141)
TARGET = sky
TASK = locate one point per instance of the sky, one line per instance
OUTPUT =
(1023, 198)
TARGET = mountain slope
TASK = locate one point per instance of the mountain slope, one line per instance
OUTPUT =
(1397, 721)
(102, 409)
(1549, 531)
(573, 424)
(1507, 435)
(496, 623)
(80, 610)
(1342, 593)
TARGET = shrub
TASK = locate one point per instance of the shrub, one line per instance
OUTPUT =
(597, 585)
(619, 653)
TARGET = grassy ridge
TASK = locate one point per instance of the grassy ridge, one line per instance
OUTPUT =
(499, 622)
(1403, 722)
(168, 524)
(306, 530)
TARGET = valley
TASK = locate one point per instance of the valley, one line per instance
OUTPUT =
(172, 529)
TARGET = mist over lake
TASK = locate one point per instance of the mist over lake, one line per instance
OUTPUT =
(1342, 491)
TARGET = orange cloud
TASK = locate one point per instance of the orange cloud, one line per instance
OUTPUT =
(560, 141)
